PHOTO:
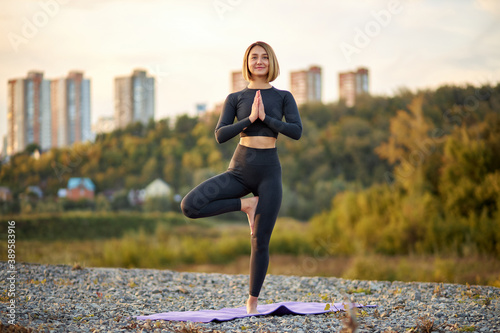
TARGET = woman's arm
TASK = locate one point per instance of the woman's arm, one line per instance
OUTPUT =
(293, 125)
(225, 128)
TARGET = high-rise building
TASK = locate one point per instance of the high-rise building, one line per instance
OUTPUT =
(78, 92)
(306, 85)
(134, 98)
(123, 102)
(58, 111)
(39, 111)
(3, 153)
(45, 116)
(70, 109)
(352, 84)
(28, 113)
(15, 116)
(238, 83)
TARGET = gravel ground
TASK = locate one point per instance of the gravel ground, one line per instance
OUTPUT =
(52, 298)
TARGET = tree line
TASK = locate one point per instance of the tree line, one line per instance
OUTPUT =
(434, 148)
(442, 195)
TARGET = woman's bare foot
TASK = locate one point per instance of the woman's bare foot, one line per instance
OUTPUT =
(249, 206)
(252, 305)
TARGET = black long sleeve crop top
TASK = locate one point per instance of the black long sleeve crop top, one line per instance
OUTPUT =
(277, 103)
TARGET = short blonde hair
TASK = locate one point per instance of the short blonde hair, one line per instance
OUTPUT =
(274, 67)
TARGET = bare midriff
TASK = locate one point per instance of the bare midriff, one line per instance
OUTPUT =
(259, 142)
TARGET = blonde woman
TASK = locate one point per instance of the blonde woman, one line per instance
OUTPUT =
(255, 167)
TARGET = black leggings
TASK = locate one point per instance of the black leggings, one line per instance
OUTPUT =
(251, 170)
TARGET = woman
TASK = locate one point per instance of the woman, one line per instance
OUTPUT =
(255, 166)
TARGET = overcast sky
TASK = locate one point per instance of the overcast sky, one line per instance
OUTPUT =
(192, 46)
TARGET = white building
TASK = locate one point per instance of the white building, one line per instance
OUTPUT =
(157, 188)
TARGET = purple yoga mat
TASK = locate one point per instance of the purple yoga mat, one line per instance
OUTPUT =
(282, 308)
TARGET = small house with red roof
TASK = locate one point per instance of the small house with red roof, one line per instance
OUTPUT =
(80, 188)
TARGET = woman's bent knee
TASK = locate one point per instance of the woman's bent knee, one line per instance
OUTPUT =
(188, 209)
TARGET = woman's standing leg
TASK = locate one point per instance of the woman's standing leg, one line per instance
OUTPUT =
(270, 194)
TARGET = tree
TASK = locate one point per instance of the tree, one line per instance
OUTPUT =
(470, 182)
(412, 142)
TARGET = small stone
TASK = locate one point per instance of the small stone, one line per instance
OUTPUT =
(439, 314)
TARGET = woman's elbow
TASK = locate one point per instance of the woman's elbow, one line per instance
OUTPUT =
(219, 138)
(298, 134)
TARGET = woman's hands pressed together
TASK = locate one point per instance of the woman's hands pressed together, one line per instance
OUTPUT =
(257, 108)
(262, 112)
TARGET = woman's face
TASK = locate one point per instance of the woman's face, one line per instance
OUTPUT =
(258, 61)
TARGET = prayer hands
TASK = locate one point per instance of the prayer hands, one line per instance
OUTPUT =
(262, 113)
(257, 108)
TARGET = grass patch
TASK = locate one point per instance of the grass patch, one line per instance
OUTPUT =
(480, 270)
(224, 247)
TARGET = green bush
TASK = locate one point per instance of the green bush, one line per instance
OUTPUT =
(158, 204)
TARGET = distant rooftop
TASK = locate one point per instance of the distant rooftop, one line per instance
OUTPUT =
(76, 182)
